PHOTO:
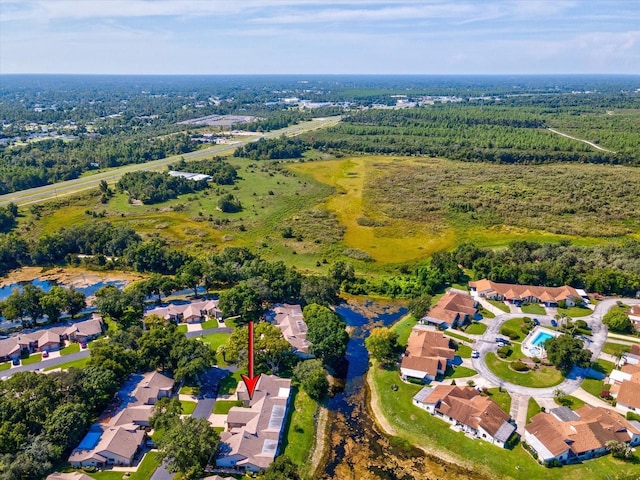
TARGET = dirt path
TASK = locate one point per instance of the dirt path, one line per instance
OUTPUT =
(591, 144)
(321, 440)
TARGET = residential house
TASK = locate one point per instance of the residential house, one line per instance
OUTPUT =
(68, 476)
(105, 445)
(518, 294)
(633, 355)
(253, 433)
(625, 386)
(49, 341)
(289, 319)
(427, 356)
(87, 330)
(192, 312)
(467, 410)
(453, 309)
(10, 349)
(151, 387)
(566, 435)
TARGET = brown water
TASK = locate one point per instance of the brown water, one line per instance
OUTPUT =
(357, 450)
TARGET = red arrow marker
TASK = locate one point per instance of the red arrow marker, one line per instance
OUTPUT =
(250, 381)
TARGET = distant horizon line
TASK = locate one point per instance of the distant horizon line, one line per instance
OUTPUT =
(323, 74)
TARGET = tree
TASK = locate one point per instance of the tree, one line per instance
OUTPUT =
(190, 275)
(341, 272)
(54, 303)
(66, 426)
(14, 307)
(187, 446)
(165, 412)
(270, 348)
(320, 290)
(418, 307)
(382, 344)
(618, 321)
(282, 468)
(241, 300)
(619, 449)
(76, 301)
(565, 351)
(312, 378)
(327, 333)
(31, 296)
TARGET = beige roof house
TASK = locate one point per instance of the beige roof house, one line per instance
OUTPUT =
(188, 312)
(565, 435)
(427, 355)
(471, 412)
(634, 316)
(115, 446)
(252, 438)
(139, 403)
(550, 296)
(454, 308)
(289, 319)
(68, 476)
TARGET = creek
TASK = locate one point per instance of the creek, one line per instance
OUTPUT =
(357, 450)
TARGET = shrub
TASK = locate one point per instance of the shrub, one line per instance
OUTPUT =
(519, 366)
(633, 416)
(504, 351)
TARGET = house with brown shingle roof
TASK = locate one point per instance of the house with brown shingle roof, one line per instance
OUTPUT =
(467, 410)
(254, 432)
(634, 316)
(517, 294)
(289, 319)
(453, 309)
(566, 435)
(625, 386)
(427, 356)
(192, 312)
(113, 446)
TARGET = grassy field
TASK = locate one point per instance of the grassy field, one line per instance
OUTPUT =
(574, 312)
(533, 409)
(229, 383)
(476, 329)
(615, 348)
(498, 304)
(543, 377)
(593, 386)
(213, 323)
(457, 336)
(403, 328)
(514, 325)
(223, 406)
(5, 366)
(72, 348)
(459, 372)
(214, 339)
(188, 406)
(81, 363)
(31, 359)
(533, 309)
(420, 428)
(190, 390)
(502, 398)
(301, 431)
(463, 351)
(572, 402)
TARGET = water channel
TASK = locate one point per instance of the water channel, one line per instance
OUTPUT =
(357, 450)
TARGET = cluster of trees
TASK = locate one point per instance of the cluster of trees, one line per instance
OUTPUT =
(271, 351)
(606, 269)
(478, 133)
(43, 417)
(273, 149)
(8, 216)
(155, 187)
(618, 321)
(32, 303)
(222, 172)
(327, 333)
(565, 351)
(382, 344)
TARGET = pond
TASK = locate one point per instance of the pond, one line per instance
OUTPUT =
(46, 285)
(357, 449)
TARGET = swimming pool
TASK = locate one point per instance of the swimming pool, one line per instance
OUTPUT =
(90, 440)
(540, 338)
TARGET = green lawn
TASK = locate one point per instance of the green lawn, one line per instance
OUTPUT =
(5, 366)
(498, 304)
(188, 406)
(533, 309)
(34, 358)
(72, 348)
(615, 348)
(543, 377)
(229, 383)
(463, 351)
(182, 328)
(572, 402)
(593, 386)
(603, 366)
(214, 339)
(213, 323)
(458, 336)
(502, 398)
(514, 325)
(403, 328)
(190, 390)
(485, 313)
(459, 372)
(574, 312)
(223, 406)
(476, 329)
(148, 465)
(420, 428)
(301, 431)
(81, 363)
(533, 409)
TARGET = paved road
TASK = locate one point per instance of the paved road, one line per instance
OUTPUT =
(486, 343)
(161, 473)
(49, 192)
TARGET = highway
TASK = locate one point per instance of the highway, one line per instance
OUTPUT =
(69, 187)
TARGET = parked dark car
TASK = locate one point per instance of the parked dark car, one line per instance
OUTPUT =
(554, 323)
(16, 361)
(536, 321)
(45, 354)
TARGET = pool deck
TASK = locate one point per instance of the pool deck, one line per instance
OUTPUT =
(531, 350)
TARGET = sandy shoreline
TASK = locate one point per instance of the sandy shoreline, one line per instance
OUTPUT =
(69, 276)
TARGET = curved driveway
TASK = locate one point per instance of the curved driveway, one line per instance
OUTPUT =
(486, 343)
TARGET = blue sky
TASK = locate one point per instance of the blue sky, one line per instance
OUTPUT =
(319, 36)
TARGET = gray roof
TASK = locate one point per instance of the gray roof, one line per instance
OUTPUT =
(422, 394)
(504, 432)
(564, 414)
